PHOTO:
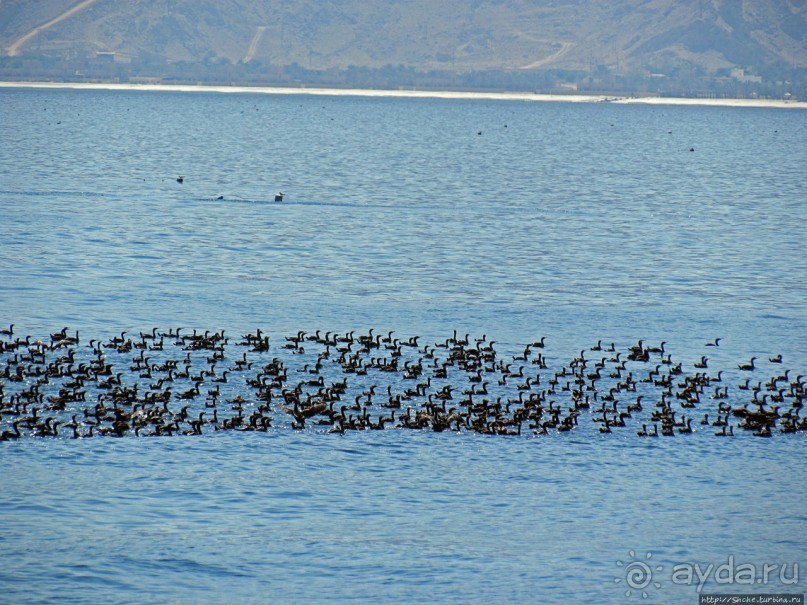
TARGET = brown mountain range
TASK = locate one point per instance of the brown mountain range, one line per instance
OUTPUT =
(712, 37)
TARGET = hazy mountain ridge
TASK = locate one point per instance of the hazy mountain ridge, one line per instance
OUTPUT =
(618, 36)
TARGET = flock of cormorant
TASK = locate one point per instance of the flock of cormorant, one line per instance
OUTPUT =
(183, 382)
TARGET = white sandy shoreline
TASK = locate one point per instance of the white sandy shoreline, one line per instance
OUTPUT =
(504, 96)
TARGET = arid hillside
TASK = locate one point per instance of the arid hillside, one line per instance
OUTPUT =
(712, 38)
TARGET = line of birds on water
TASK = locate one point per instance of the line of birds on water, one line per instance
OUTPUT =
(181, 382)
(278, 196)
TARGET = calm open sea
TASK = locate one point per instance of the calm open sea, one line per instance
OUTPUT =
(505, 220)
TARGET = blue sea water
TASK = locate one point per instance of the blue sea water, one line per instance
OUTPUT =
(508, 219)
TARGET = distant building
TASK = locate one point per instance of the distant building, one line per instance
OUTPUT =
(739, 74)
(145, 80)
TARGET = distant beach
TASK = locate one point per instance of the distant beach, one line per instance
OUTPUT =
(432, 94)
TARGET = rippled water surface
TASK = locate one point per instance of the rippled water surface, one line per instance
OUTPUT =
(512, 220)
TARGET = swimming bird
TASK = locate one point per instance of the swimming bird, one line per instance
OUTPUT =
(687, 428)
(15, 434)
